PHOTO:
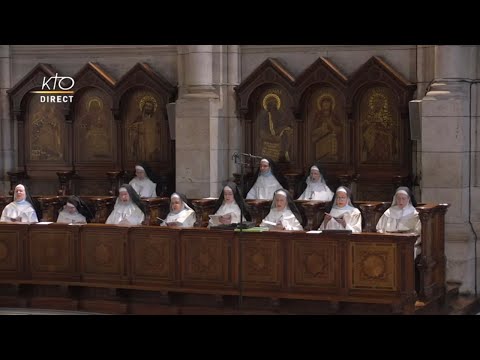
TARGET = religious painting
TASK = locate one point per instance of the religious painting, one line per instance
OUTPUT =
(46, 126)
(379, 127)
(94, 127)
(326, 126)
(274, 126)
(143, 122)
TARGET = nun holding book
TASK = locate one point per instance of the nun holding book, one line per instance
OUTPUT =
(284, 214)
(341, 214)
(229, 206)
(402, 217)
(181, 213)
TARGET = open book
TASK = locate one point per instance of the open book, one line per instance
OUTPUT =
(172, 223)
(215, 219)
(338, 217)
(270, 224)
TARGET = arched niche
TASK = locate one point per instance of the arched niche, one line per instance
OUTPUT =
(95, 133)
(265, 101)
(140, 104)
(321, 97)
(377, 101)
(42, 132)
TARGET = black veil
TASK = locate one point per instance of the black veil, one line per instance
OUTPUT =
(303, 185)
(134, 197)
(238, 199)
(413, 201)
(275, 172)
(35, 203)
(291, 205)
(81, 207)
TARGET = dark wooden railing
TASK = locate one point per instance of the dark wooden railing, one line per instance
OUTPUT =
(152, 269)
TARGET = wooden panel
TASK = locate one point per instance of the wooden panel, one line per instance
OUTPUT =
(45, 132)
(53, 251)
(205, 257)
(314, 264)
(87, 134)
(153, 253)
(102, 249)
(372, 266)
(290, 271)
(358, 126)
(12, 237)
(261, 260)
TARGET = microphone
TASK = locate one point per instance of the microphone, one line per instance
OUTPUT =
(251, 156)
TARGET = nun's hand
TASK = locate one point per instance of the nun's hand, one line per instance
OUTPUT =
(225, 219)
(327, 218)
(342, 222)
(279, 226)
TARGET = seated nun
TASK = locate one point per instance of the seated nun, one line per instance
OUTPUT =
(266, 181)
(316, 187)
(181, 213)
(75, 211)
(229, 207)
(284, 214)
(142, 182)
(128, 209)
(402, 217)
(341, 214)
(23, 208)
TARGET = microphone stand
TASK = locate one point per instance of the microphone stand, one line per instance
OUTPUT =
(240, 160)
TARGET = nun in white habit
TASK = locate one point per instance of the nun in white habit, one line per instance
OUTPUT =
(317, 188)
(181, 214)
(402, 217)
(284, 214)
(21, 209)
(341, 214)
(227, 207)
(142, 184)
(268, 180)
(128, 209)
(75, 211)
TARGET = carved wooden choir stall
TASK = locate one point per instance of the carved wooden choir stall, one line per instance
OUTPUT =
(356, 126)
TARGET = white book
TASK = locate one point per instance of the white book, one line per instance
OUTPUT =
(216, 218)
(269, 224)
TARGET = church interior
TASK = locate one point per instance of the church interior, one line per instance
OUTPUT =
(78, 119)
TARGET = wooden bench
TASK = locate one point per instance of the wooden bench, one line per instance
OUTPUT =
(153, 269)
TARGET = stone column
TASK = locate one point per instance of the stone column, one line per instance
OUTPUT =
(234, 125)
(445, 157)
(199, 68)
(196, 122)
(7, 156)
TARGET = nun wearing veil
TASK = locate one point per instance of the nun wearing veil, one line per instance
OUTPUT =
(267, 181)
(23, 208)
(341, 214)
(181, 213)
(316, 187)
(128, 209)
(142, 182)
(75, 211)
(229, 206)
(284, 214)
(402, 216)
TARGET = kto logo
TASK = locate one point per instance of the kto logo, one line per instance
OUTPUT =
(56, 89)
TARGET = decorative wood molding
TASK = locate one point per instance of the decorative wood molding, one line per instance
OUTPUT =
(142, 75)
(271, 71)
